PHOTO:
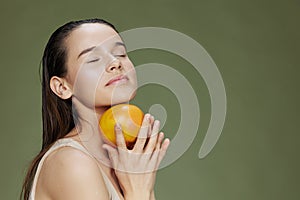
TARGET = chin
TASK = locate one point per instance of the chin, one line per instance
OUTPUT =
(122, 95)
(118, 98)
(121, 99)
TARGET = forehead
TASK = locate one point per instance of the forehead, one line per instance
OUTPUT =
(88, 35)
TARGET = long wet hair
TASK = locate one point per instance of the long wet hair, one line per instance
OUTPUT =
(57, 114)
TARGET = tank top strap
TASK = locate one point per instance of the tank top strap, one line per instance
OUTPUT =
(71, 143)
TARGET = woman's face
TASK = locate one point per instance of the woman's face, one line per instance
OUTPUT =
(98, 68)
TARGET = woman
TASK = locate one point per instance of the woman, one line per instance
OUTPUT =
(85, 71)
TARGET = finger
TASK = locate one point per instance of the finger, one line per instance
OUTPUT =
(150, 130)
(155, 154)
(163, 150)
(153, 138)
(121, 144)
(112, 154)
(151, 125)
(142, 137)
(153, 160)
(159, 140)
(160, 150)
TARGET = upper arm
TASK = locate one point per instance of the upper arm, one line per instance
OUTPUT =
(70, 174)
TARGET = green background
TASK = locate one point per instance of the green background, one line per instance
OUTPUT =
(256, 47)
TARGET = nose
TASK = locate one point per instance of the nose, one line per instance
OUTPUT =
(114, 66)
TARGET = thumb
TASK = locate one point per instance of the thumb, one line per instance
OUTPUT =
(112, 153)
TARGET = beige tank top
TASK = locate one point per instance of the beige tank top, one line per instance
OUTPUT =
(72, 143)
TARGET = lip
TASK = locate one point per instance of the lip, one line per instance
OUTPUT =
(116, 79)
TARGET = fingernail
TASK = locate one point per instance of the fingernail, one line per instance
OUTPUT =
(147, 116)
(161, 135)
(118, 126)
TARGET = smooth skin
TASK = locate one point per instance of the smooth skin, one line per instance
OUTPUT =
(70, 174)
(137, 167)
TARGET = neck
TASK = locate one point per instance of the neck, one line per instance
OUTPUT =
(88, 131)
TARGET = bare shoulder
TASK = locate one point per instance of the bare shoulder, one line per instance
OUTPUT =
(68, 173)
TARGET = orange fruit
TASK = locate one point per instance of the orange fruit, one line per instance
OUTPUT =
(128, 116)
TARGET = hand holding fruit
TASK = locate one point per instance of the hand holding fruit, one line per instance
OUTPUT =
(136, 168)
(129, 117)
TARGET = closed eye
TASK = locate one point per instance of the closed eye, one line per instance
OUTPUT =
(121, 55)
(94, 60)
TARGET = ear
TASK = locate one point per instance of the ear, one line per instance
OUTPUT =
(60, 87)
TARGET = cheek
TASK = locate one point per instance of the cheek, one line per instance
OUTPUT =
(130, 70)
(131, 73)
(89, 86)
(86, 85)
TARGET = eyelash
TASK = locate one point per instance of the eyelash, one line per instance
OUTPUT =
(97, 59)
(122, 55)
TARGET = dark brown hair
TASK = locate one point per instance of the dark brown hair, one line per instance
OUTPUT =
(57, 113)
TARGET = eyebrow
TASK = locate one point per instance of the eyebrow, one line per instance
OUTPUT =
(93, 47)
